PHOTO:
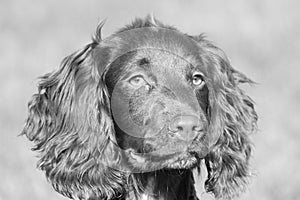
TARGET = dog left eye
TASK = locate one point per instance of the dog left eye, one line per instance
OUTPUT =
(137, 81)
(198, 80)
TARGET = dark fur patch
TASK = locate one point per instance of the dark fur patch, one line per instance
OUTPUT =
(71, 125)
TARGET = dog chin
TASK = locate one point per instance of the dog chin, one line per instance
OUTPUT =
(147, 163)
(185, 161)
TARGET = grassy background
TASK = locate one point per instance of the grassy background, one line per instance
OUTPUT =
(262, 38)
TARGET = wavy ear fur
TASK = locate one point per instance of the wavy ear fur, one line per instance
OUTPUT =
(69, 122)
(228, 161)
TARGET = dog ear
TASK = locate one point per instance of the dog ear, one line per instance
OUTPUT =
(69, 121)
(234, 118)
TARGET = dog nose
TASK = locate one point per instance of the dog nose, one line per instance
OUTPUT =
(186, 127)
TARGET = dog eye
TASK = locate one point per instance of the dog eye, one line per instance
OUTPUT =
(137, 81)
(198, 80)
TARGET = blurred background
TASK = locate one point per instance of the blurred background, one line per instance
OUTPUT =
(261, 37)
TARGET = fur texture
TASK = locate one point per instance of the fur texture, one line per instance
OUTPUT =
(70, 119)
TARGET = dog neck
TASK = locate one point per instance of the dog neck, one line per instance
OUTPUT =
(163, 185)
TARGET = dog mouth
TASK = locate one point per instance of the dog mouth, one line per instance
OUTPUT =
(184, 164)
(184, 160)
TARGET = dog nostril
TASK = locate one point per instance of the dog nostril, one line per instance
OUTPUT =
(197, 129)
(185, 126)
(179, 128)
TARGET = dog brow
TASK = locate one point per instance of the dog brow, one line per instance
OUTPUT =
(143, 61)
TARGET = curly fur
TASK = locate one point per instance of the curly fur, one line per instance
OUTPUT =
(70, 124)
(65, 119)
(228, 161)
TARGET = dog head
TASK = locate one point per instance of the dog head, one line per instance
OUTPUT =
(146, 98)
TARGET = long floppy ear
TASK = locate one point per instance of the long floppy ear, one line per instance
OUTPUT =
(228, 161)
(69, 122)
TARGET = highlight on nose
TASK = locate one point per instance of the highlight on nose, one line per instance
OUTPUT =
(185, 126)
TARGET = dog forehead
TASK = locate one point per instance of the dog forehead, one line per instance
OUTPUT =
(162, 62)
(159, 38)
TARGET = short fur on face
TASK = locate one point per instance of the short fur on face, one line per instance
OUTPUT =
(94, 127)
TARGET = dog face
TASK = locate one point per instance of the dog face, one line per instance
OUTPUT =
(160, 108)
(144, 99)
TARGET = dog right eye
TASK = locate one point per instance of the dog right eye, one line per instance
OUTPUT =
(137, 81)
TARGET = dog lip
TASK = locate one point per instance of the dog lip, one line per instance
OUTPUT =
(185, 162)
(150, 156)
(137, 157)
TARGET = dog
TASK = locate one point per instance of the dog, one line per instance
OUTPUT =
(132, 116)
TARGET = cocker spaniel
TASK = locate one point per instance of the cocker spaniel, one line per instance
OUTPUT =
(133, 115)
